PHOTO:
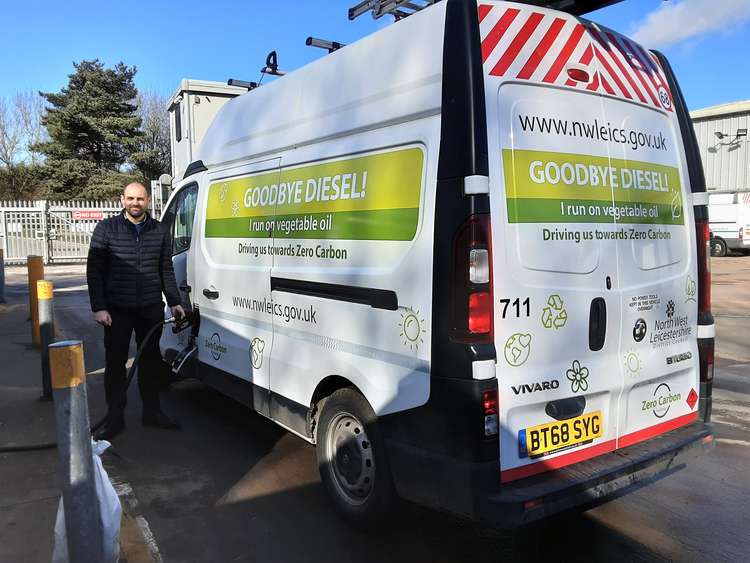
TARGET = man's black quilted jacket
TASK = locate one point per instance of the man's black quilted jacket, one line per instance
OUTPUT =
(125, 270)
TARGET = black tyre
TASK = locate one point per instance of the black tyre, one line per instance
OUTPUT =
(352, 459)
(718, 247)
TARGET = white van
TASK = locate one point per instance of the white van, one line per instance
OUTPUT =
(465, 257)
(729, 221)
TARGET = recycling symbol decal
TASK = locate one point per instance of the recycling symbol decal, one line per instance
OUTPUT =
(554, 315)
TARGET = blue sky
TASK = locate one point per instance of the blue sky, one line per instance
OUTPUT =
(705, 40)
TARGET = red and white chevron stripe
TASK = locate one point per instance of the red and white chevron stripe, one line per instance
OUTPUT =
(520, 42)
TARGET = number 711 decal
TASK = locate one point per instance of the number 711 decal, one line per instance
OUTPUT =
(521, 308)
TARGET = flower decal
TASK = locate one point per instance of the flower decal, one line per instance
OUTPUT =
(578, 376)
(235, 208)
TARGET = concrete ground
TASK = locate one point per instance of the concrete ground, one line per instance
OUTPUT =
(231, 486)
(29, 487)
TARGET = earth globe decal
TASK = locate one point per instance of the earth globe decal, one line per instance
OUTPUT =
(517, 349)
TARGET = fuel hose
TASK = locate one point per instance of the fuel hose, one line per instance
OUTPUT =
(120, 398)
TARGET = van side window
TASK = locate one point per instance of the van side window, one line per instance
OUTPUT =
(182, 213)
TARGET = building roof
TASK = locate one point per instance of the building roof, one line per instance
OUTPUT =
(742, 106)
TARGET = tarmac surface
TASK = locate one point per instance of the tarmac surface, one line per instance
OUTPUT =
(232, 486)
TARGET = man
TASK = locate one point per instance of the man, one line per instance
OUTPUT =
(129, 267)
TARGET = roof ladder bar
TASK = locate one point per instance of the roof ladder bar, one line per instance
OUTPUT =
(397, 8)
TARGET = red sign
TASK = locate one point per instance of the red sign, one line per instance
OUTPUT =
(97, 215)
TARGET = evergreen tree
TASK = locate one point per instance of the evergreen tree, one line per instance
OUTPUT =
(93, 127)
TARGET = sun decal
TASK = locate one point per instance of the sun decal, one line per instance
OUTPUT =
(411, 329)
(633, 363)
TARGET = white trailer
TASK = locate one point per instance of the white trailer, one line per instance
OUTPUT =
(192, 108)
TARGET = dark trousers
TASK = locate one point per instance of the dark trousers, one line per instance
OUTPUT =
(117, 344)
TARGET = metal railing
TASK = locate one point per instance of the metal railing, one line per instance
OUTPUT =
(59, 231)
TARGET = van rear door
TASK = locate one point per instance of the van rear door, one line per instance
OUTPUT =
(557, 311)
(657, 269)
(590, 241)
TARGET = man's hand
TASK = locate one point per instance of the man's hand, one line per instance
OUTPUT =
(103, 318)
(178, 312)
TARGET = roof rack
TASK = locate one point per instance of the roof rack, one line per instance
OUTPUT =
(397, 8)
(401, 8)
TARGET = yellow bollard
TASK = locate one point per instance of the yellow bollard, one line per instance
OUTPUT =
(45, 293)
(35, 266)
(66, 364)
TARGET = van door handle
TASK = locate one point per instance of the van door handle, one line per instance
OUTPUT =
(211, 293)
(597, 324)
(185, 287)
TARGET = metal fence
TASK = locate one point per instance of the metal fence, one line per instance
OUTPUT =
(60, 231)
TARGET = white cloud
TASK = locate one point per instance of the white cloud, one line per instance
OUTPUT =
(675, 22)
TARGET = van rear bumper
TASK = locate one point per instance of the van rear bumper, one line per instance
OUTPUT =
(473, 490)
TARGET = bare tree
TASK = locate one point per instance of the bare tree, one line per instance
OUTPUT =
(29, 108)
(20, 129)
(11, 135)
(153, 156)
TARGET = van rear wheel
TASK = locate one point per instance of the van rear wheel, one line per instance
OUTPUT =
(352, 460)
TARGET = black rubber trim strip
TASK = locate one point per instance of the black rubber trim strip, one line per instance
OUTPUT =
(194, 168)
(689, 141)
(375, 298)
(463, 135)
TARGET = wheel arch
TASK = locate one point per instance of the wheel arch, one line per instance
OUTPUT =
(325, 388)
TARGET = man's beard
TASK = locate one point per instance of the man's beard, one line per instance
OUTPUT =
(136, 214)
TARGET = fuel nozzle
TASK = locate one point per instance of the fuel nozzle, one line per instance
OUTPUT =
(183, 322)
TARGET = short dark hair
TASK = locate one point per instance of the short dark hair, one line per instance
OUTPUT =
(145, 188)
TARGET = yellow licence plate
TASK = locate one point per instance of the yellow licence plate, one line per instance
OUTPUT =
(554, 436)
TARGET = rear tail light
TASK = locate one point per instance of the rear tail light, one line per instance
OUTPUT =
(490, 403)
(472, 307)
(480, 313)
(479, 266)
(742, 232)
(704, 266)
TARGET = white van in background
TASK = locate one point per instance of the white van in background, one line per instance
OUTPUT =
(465, 257)
(729, 220)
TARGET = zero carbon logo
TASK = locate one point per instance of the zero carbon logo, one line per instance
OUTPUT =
(662, 401)
(639, 330)
(215, 346)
